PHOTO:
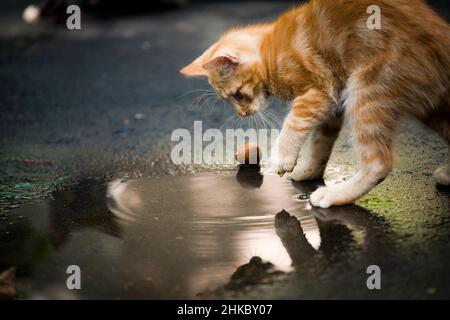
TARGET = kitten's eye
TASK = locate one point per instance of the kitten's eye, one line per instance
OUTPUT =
(238, 95)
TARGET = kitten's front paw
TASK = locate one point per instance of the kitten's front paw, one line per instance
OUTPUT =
(285, 164)
(334, 195)
(278, 164)
(268, 166)
(283, 158)
(320, 198)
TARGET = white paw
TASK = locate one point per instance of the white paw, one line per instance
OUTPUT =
(319, 198)
(442, 175)
(334, 195)
(285, 164)
(266, 168)
(279, 164)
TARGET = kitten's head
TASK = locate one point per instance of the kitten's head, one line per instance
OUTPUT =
(234, 69)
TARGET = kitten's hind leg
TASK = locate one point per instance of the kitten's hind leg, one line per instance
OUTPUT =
(440, 122)
(373, 131)
(316, 151)
(442, 174)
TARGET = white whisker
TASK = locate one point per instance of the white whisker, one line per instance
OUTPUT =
(193, 91)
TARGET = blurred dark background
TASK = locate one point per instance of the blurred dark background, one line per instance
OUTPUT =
(114, 8)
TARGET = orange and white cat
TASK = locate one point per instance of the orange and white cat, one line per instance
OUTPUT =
(323, 58)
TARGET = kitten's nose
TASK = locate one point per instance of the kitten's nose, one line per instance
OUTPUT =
(243, 114)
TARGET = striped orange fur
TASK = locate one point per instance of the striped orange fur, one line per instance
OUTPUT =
(323, 58)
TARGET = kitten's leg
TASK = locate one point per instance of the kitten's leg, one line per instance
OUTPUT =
(373, 131)
(314, 155)
(308, 112)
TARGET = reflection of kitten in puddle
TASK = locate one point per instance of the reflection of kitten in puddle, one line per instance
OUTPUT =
(337, 230)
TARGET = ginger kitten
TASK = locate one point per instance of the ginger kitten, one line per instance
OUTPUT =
(323, 58)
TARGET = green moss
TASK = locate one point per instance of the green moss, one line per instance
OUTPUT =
(377, 202)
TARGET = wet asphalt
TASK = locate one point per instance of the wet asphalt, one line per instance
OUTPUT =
(100, 104)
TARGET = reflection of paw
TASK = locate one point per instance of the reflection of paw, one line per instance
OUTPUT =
(442, 175)
(334, 195)
(287, 225)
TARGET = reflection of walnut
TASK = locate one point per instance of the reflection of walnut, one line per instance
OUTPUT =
(7, 284)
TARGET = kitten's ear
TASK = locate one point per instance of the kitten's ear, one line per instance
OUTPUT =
(195, 69)
(223, 65)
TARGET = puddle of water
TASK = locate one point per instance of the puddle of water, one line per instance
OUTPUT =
(180, 237)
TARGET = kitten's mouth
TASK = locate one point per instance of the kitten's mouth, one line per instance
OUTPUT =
(246, 113)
